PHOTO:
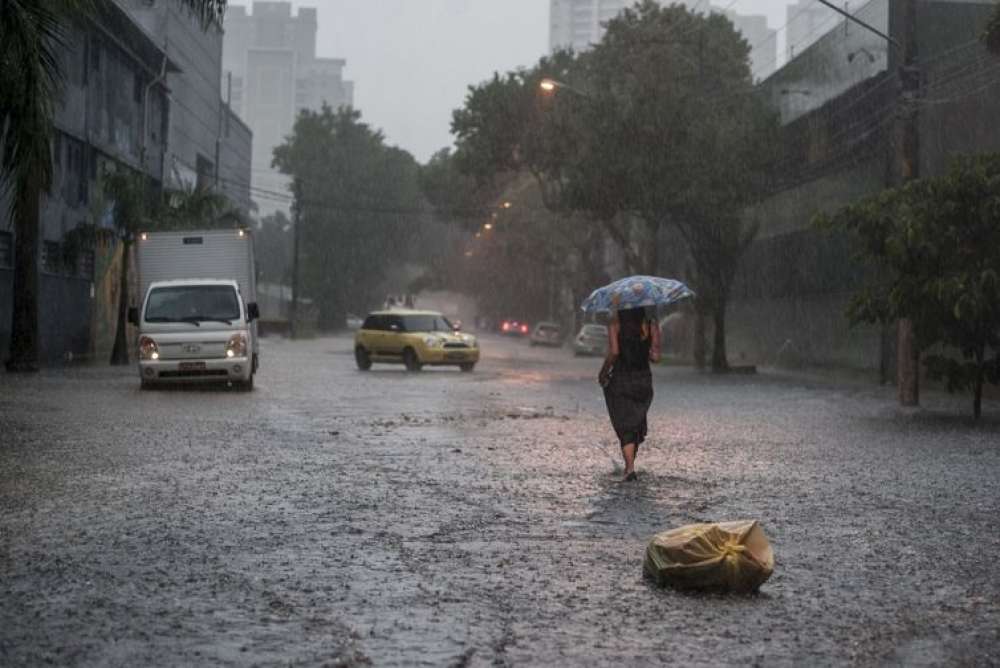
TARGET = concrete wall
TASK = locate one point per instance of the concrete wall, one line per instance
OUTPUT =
(795, 282)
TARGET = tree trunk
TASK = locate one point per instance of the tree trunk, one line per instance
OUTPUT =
(908, 361)
(119, 352)
(720, 363)
(699, 347)
(24, 316)
(977, 401)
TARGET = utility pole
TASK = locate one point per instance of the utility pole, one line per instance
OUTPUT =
(903, 21)
(296, 224)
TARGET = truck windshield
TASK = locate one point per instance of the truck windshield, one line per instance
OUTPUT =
(193, 303)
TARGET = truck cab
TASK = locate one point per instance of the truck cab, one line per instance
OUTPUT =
(196, 330)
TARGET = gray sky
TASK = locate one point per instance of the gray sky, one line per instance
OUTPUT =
(412, 60)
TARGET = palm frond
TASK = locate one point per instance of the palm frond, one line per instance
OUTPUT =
(31, 32)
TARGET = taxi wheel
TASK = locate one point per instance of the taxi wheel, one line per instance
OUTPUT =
(467, 367)
(362, 358)
(411, 360)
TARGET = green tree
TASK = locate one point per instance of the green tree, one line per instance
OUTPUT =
(31, 34)
(359, 205)
(933, 244)
(274, 249)
(657, 127)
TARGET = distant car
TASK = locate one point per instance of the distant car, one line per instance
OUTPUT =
(592, 340)
(413, 338)
(514, 327)
(546, 334)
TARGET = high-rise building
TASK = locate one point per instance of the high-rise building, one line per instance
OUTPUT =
(269, 56)
(578, 24)
(762, 40)
(807, 21)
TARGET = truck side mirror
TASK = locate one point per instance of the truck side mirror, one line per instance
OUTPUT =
(253, 312)
(133, 316)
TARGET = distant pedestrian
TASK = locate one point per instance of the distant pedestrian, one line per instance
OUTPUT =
(633, 342)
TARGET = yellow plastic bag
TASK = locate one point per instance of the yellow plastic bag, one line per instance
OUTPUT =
(720, 557)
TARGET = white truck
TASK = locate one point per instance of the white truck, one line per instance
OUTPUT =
(198, 318)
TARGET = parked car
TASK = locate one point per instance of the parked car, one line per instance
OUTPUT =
(415, 339)
(592, 340)
(546, 334)
(512, 327)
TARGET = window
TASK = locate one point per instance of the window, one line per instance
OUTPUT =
(85, 264)
(52, 259)
(374, 323)
(6, 250)
(426, 323)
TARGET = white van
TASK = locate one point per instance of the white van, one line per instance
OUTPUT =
(197, 322)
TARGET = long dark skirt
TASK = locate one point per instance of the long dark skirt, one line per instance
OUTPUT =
(628, 396)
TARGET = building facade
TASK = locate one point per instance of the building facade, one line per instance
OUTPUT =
(579, 24)
(762, 40)
(840, 102)
(805, 22)
(207, 143)
(269, 57)
(126, 103)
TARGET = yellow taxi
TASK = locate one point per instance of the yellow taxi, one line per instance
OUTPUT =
(415, 339)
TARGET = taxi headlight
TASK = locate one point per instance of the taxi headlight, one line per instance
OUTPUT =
(148, 350)
(237, 346)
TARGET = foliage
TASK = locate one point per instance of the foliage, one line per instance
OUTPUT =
(359, 206)
(274, 246)
(657, 125)
(934, 244)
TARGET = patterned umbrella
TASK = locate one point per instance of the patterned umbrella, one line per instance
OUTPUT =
(634, 292)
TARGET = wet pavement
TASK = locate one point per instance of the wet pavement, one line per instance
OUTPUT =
(333, 517)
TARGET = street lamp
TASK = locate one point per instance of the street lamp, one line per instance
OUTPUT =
(550, 85)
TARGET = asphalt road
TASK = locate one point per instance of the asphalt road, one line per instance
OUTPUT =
(334, 517)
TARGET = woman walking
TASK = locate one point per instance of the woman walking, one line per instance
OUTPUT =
(633, 342)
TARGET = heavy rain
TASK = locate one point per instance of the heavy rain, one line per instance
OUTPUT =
(453, 332)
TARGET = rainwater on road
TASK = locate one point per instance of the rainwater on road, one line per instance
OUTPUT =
(335, 517)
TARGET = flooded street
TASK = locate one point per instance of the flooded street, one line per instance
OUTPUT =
(334, 517)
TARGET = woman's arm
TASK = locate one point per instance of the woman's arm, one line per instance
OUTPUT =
(609, 360)
(654, 348)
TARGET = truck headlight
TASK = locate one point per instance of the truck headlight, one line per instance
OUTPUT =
(237, 346)
(148, 350)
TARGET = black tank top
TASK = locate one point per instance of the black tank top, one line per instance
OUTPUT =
(633, 349)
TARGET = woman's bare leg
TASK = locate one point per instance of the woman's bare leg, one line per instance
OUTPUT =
(628, 453)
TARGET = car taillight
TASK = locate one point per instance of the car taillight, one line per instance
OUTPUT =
(148, 350)
(524, 329)
(505, 327)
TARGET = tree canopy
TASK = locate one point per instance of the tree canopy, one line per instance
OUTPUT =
(359, 203)
(934, 244)
(656, 128)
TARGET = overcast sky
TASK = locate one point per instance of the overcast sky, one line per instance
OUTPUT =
(412, 60)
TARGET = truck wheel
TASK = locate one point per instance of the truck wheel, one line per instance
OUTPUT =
(467, 367)
(411, 360)
(362, 358)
